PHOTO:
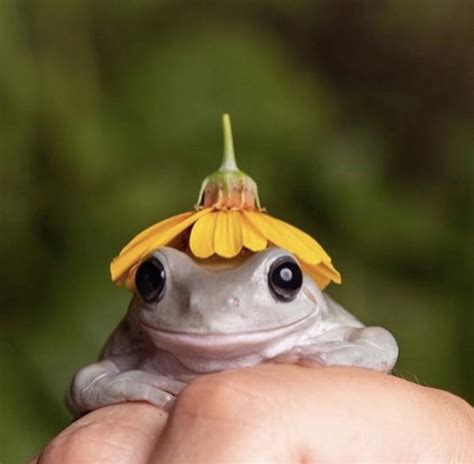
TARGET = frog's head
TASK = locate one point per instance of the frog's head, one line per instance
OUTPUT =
(221, 305)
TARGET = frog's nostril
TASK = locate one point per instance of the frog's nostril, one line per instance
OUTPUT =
(233, 301)
(195, 305)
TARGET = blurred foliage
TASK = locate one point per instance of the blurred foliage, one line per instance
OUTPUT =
(355, 117)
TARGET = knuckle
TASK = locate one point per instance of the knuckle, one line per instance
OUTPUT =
(205, 392)
(225, 396)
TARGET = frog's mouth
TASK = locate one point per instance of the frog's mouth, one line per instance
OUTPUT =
(220, 343)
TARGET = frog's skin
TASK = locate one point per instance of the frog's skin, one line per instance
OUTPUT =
(210, 319)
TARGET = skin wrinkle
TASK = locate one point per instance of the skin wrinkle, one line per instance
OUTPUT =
(77, 427)
(277, 382)
(219, 448)
(186, 406)
(206, 417)
(68, 448)
(127, 452)
(447, 425)
(144, 432)
(228, 443)
(455, 411)
(217, 381)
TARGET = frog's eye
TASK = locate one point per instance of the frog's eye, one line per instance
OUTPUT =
(285, 278)
(150, 280)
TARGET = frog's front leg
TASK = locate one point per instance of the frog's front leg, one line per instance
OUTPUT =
(342, 340)
(368, 347)
(117, 377)
(105, 383)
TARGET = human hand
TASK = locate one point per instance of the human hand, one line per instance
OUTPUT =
(278, 413)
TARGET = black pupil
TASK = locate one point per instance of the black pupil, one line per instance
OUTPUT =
(285, 279)
(150, 280)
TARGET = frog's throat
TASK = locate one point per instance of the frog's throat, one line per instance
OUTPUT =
(214, 343)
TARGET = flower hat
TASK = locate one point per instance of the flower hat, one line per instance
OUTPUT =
(227, 221)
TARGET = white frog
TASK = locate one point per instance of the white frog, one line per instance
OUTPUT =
(190, 317)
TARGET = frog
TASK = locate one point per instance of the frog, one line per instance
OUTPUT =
(190, 317)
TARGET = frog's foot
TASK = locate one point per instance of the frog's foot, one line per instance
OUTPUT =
(101, 384)
(369, 347)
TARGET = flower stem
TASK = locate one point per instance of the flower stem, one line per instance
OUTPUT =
(228, 160)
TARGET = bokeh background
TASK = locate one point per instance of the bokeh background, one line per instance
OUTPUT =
(355, 117)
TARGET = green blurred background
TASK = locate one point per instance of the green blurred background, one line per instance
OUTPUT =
(355, 118)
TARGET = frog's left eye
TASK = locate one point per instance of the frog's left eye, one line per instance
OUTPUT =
(150, 280)
(285, 278)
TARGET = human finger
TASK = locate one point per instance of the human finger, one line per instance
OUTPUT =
(123, 434)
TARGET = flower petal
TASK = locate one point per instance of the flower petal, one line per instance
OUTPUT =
(313, 271)
(330, 271)
(201, 240)
(228, 234)
(129, 279)
(323, 272)
(122, 263)
(156, 229)
(310, 242)
(286, 236)
(252, 238)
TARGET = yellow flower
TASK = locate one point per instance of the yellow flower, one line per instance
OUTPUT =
(227, 222)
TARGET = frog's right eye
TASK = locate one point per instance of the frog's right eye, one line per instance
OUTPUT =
(150, 280)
